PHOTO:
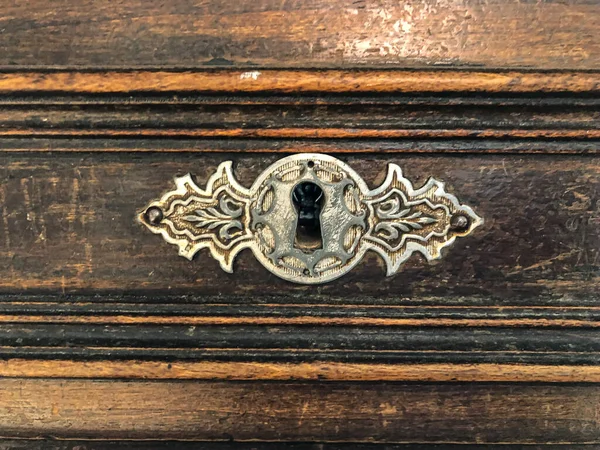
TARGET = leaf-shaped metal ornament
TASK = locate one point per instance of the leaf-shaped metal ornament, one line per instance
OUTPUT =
(317, 192)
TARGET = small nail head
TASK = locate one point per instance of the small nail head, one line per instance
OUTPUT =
(154, 215)
(459, 222)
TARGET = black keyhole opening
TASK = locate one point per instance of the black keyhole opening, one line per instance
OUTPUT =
(308, 199)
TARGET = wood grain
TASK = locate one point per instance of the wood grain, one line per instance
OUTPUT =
(259, 147)
(309, 371)
(69, 227)
(309, 133)
(106, 334)
(461, 413)
(59, 444)
(304, 320)
(299, 81)
(493, 34)
(401, 108)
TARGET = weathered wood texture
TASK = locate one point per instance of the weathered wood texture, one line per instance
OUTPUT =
(297, 82)
(83, 282)
(52, 444)
(498, 33)
(404, 108)
(69, 226)
(459, 413)
(71, 366)
(103, 103)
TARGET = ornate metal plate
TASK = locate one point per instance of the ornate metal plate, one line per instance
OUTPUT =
(309, 218)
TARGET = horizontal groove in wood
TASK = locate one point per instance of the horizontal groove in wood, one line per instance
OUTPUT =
(234, 306)
(189, 100)
(300, 412)
(286, 81)
(262, 147)
(323, 321)
(303, 337)
(368, 114)
(302, 356)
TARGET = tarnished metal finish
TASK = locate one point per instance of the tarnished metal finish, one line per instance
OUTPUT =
(393, 220)
(275, 219)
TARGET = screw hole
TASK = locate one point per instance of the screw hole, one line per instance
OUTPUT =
(311, 164)
(306, 272)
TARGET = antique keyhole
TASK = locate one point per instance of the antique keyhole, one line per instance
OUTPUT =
(308, 200)
(309, 218)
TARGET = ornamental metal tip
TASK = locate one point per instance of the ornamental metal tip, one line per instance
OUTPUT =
(304, 242)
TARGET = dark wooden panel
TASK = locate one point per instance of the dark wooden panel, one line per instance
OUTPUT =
(498, 33)
(69, 226)
(456, 413)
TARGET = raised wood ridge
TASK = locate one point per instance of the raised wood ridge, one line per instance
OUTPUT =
(473, 109)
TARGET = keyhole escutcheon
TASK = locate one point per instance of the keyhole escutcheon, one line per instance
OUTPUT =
(308, 199)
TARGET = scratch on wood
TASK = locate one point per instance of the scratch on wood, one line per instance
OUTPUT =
(42, 222)
(544, 263)
(29, 206)
(72, 215)
(5, 217)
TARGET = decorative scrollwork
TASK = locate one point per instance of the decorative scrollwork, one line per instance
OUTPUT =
(404, 220)
(393, 220)
(222, 219)
(193, 218)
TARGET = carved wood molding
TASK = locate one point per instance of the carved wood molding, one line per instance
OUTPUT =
(435, 110)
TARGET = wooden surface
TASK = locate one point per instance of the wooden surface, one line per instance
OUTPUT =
(298, 81)
(69, 226)
(494, 34)
(257, 111)
(89, 298)
(456, 413)
(107, 336)
(321, 371)
(79, 444)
